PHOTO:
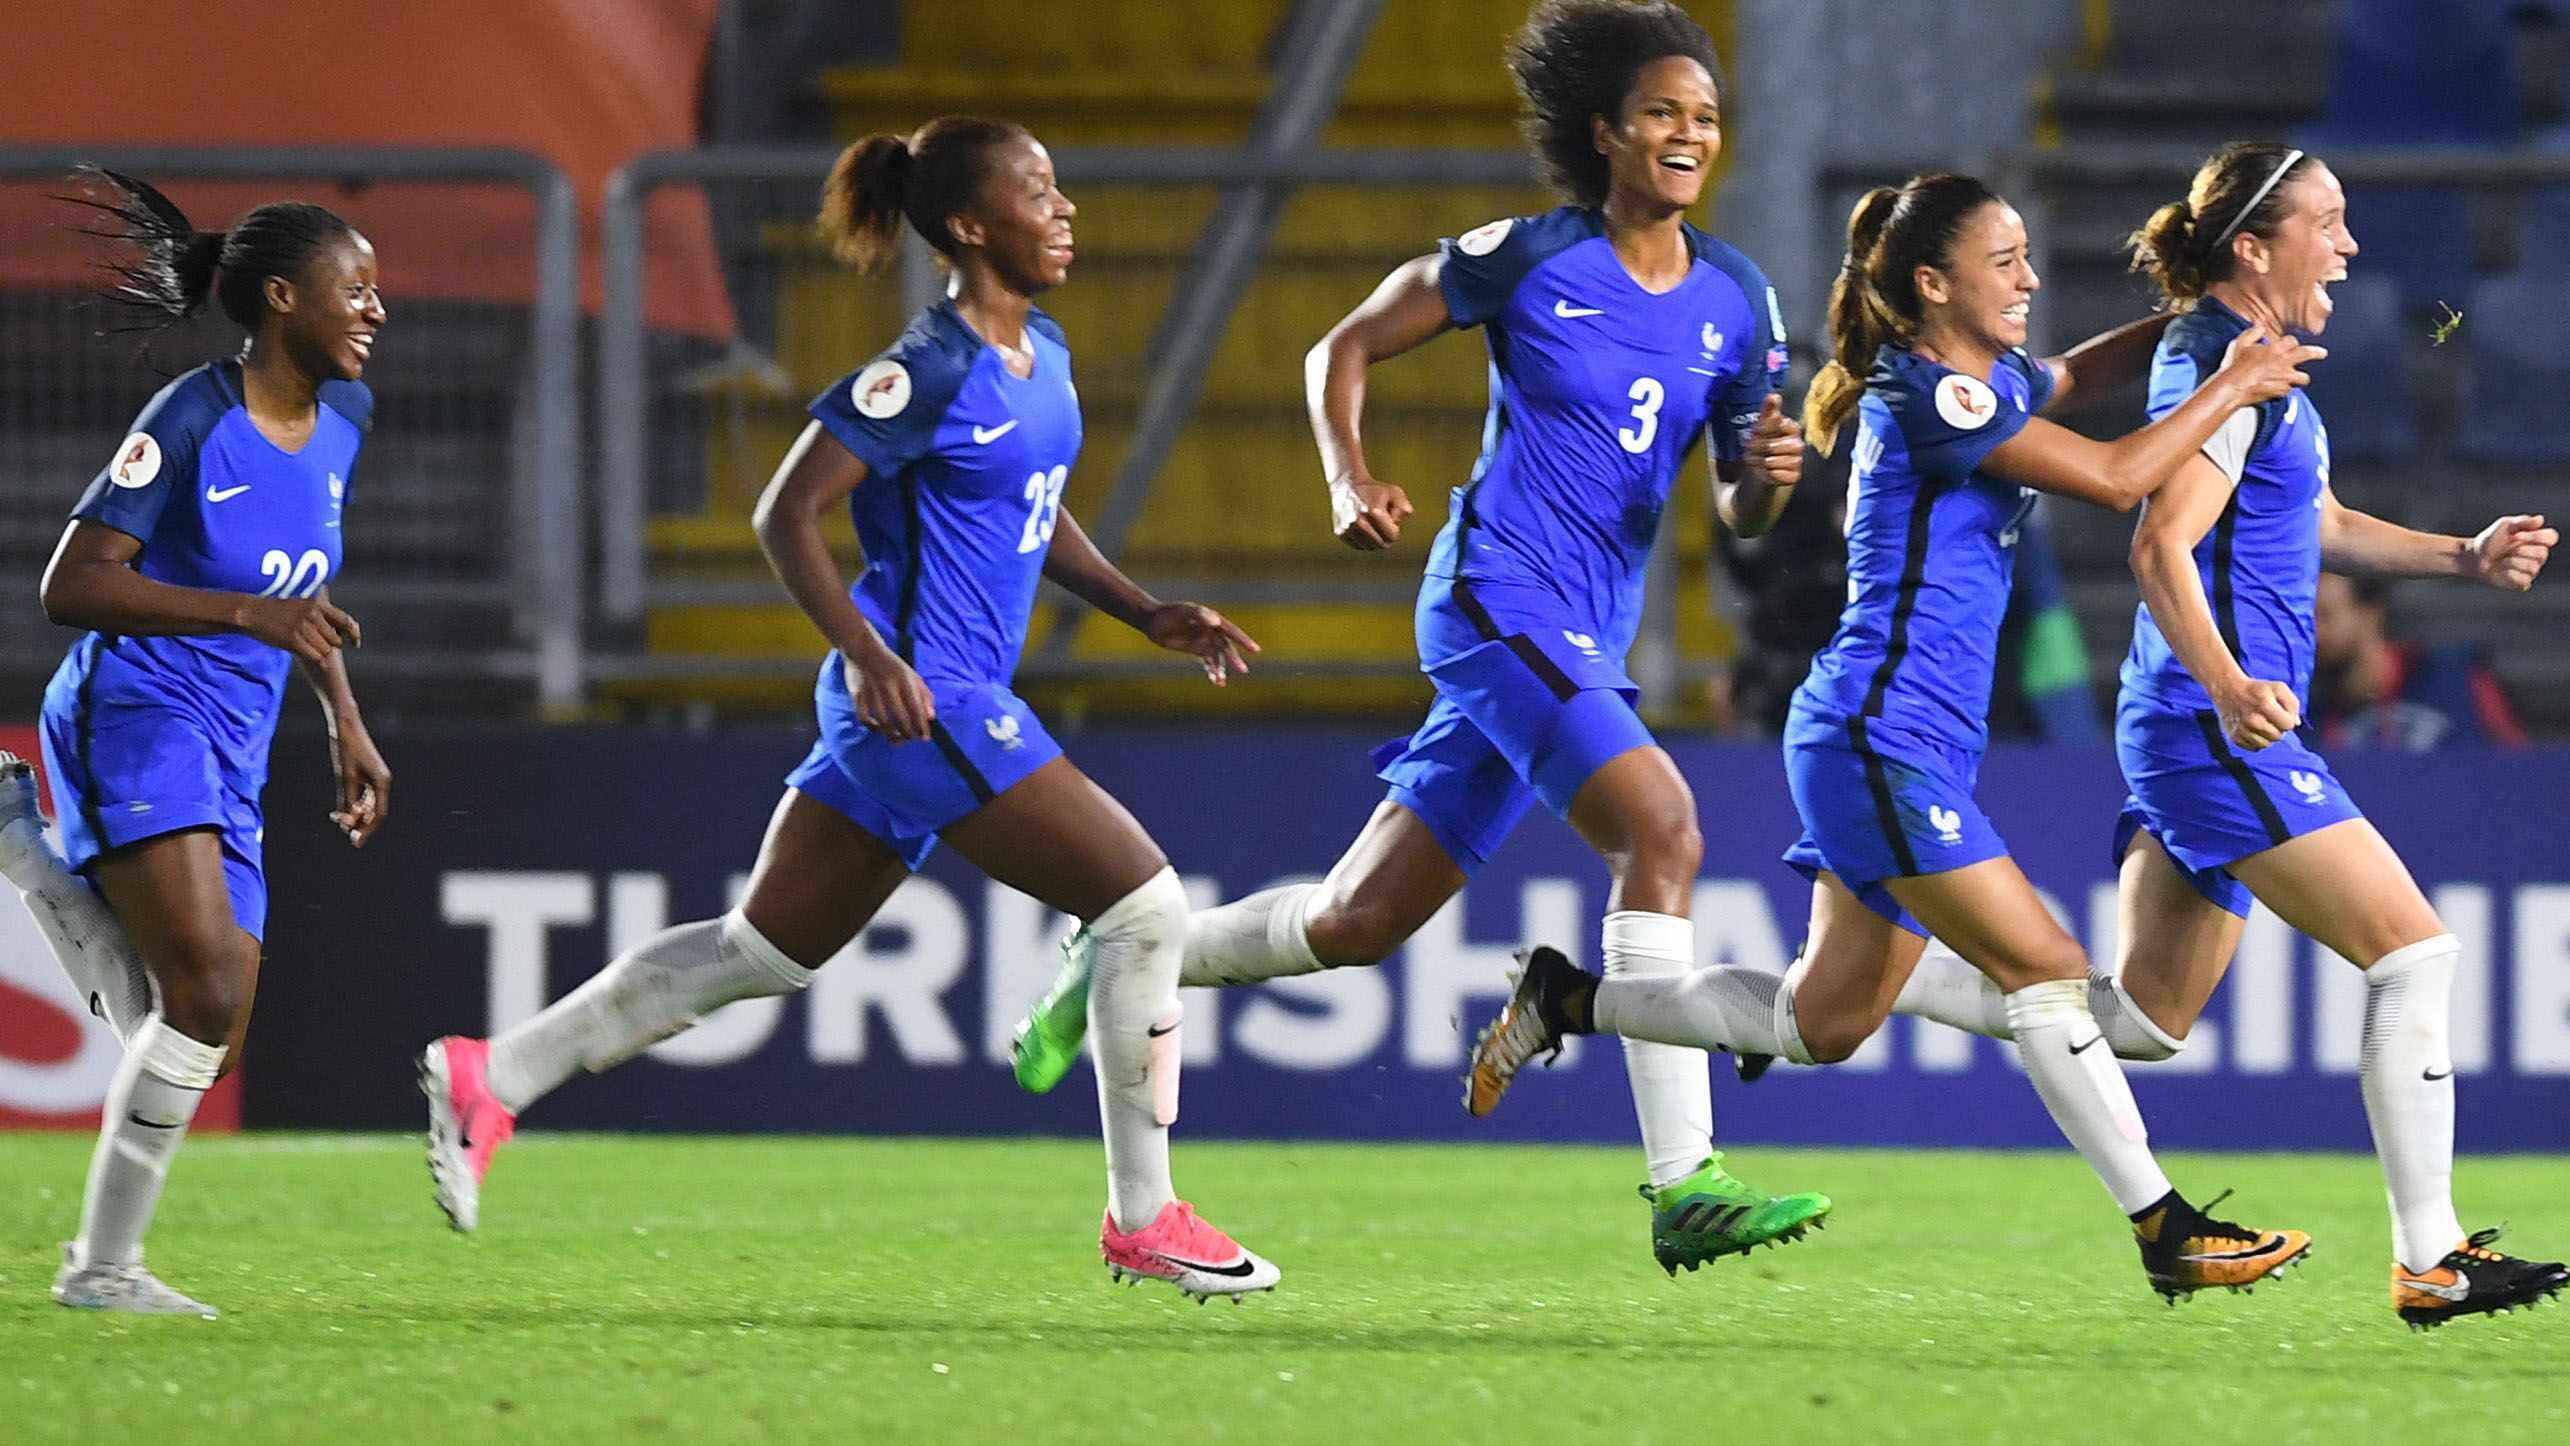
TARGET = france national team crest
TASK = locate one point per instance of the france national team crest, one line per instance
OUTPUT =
(1003, 731)
(2309, 786)
(1585, 642)
(1947, 823)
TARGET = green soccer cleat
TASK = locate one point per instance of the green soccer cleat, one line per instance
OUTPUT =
(1709, 1215)
(1047, 1041)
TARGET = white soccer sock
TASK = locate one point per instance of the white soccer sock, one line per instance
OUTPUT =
(1672, 1090)
(87, 940)
(2407, 1070)
(1746, 1011)
(1946, 987)
(648, 993)
(1133, 1042)
(2084, 1088)
(162, 1079)
(1264, 936)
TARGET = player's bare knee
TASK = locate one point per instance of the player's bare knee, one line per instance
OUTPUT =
(1351, 932)
(203, 1004)
(1832, 1041)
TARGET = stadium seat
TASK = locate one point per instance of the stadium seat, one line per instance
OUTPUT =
(2406, 73)
(2516, 380)
(2364, 388)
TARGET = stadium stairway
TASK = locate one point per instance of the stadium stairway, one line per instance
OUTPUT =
(1238, 516)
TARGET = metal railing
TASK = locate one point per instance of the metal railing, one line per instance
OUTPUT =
(528, 428)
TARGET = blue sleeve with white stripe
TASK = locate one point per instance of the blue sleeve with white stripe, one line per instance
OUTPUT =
(1479, 270)
(1762, 357)
(157, 459)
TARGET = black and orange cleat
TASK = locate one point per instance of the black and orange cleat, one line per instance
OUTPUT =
(1532, 1023)
(2184, 1250)
(2473, 1279)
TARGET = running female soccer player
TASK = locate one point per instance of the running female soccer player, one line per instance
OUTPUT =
(951, 450)
(1619, 335)
(198, 562)
(1884, 740)
(2229, 800)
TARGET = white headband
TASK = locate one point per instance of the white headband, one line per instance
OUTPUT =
(2289, 158)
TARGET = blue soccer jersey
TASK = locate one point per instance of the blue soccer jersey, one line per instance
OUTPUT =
(967, 463)
(2261, 562)
(145, 736)
(218, 506)
(1930, 540)
(1598, 391)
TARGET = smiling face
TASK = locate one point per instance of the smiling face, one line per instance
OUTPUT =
(1985, 288)
(2289, 273)
(1021, 221)
(327, 318)
(1660, 151)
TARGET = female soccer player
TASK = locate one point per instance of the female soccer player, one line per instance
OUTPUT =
(2229, 800)
(1619, 335)
(951, 450)
(198, 562)
(1885, 737)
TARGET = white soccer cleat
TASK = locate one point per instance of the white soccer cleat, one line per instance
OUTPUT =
(128, 1288)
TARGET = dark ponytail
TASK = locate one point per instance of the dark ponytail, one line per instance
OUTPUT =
(2186, 246)
(923, 178)
(1875, 301)
(177, 267)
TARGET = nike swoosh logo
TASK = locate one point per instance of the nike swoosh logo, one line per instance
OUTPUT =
(2083, 1048)
(2461, 1287)
(993, 434)
(2251, 1252)
(1237, 1268)
(2431, 1076)
(225, 494)
(1566, 310)
(150, 1124)
(1156, 1032)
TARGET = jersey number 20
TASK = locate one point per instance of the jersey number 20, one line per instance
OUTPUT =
(1647, 394)
(1043, 507)
(293, 576)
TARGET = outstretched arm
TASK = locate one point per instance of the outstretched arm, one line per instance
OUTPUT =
(1408, 308)
(2508, 554)
(1074, 562)
(2104, 362)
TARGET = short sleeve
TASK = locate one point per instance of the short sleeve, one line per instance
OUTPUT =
(1761, 372)
(1479, 270)
(2039, 379)
(2229, 448)
(352, 400)
(886, 412)
(157, 460)
(1953, 422)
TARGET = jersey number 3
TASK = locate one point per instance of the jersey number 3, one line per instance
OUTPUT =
(1647, 394)
(1043, 507)
(293, 576)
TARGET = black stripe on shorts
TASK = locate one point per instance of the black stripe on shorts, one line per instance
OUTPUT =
(1887, 812)
(954, 751)
(2232, 764)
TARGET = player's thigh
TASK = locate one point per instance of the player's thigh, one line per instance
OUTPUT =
(2345, 887)
(1990, 915)
(1383, 889)
(171, 894)
(818, 879)
(1056, 835)
(1853, 964)
(2173, 944)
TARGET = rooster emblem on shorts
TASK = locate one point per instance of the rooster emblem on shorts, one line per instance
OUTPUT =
(1003, 731)
(2309, 786)
(1947, 823)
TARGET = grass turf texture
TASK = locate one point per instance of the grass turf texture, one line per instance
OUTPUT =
(871, 1290)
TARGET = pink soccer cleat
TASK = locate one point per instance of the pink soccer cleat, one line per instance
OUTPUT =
(466, 1125)
(1183, 1250)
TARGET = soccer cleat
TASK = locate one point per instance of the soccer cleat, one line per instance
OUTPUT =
(466, 1125)
(2473, 1279)
(2185, 1250)
(1180, 1248)
(1532, 1023)
(1047, 1042)
(128, 1288)
(1709, 1214)
(1752, 1067)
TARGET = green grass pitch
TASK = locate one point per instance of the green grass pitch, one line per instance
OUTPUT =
(851, 1291)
